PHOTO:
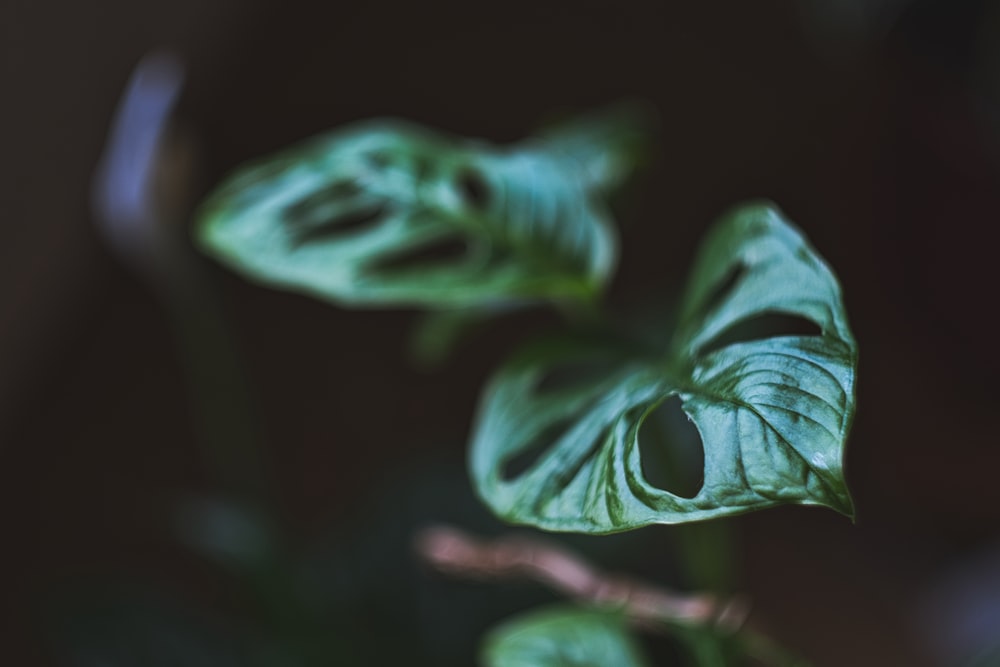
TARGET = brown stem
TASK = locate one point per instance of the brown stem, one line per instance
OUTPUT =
(457, 553)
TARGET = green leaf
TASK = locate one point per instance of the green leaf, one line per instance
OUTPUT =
(772, 407)
(388, 213)
(563, 637)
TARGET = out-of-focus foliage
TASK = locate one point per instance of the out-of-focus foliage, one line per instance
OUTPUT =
(389, 213)
(563, 637)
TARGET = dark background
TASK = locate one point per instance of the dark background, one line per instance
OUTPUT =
(876, 127)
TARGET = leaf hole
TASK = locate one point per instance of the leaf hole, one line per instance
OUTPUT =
(671, 450)
(722, 288)
(317, 207)
(336, 224)
(529, 455)
(473, 189)
(434, 253)
(766, 325)
(567, 475)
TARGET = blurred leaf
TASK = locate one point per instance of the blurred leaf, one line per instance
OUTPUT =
(388, 213)
(557, 440)
(563, 637)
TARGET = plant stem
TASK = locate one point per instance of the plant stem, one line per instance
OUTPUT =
(455, 552)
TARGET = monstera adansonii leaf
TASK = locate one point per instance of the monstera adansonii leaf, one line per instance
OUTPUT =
(389, 213)
(563, 637)
(773, 412)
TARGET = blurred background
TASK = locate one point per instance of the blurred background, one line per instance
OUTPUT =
(200, 471)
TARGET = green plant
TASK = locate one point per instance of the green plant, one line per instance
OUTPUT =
(387, 214)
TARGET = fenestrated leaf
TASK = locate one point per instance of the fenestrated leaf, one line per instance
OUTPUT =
(388, 213)
(773, 408)
(563, 637)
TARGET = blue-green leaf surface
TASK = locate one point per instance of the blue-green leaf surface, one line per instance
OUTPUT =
(389, 213)
(773, 408)
(563, 637)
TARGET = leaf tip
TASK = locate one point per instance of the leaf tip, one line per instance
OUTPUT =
(843, 504)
